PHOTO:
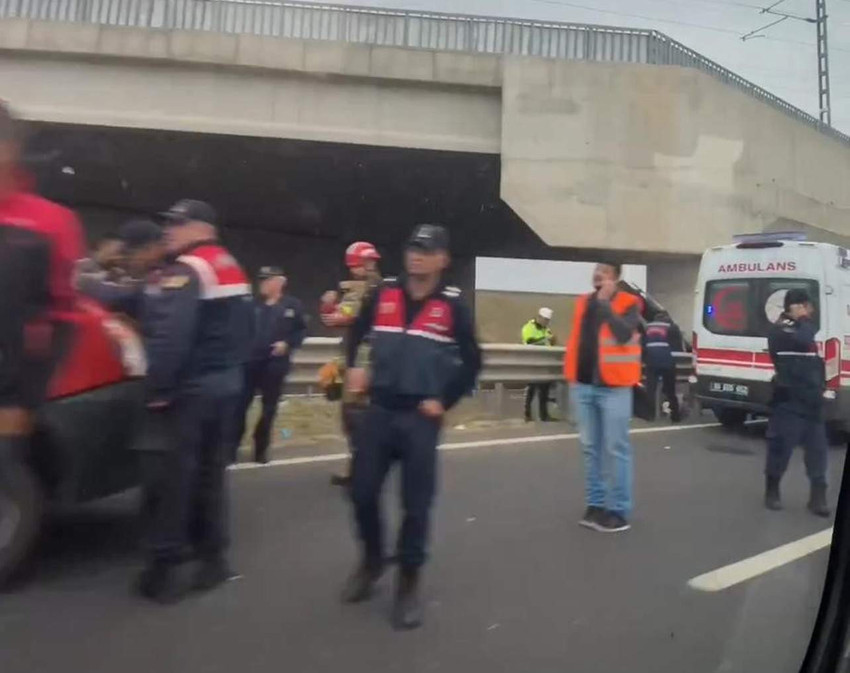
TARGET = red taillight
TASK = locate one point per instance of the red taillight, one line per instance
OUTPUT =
(832, 363)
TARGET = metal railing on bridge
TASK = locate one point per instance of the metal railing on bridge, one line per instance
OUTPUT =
(400, 28)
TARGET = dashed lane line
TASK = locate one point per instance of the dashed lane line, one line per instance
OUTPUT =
(748, 568)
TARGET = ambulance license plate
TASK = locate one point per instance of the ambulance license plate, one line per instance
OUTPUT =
(729, 388)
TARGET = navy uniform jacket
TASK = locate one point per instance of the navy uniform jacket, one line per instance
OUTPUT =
(283, 321)
(196, 321)
(800, 378)
(419, 349)
(661, 340)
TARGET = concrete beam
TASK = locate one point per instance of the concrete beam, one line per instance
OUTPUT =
(252, 51)
(658, 158)
(249, 85)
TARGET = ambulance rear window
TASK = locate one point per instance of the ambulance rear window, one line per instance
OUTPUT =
(748, 306)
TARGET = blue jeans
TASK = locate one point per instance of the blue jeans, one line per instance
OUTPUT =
(603, 419)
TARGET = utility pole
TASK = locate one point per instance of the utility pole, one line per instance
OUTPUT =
(823, 63)
(820, 21)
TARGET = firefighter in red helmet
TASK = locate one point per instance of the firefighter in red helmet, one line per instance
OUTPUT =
(339, 309)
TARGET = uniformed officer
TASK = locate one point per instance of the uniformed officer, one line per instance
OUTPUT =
(797, 405)
(279, 330)
(424, 358)
(196, 322)
(536, 332)
(118, 280)
(662, 338)
(339, 310)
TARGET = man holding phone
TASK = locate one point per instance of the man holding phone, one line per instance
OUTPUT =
(797, 404)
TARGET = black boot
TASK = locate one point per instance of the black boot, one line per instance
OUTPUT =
(772, 500)
(360, 586)
(160, 582)
(407, 608)
(817, 501)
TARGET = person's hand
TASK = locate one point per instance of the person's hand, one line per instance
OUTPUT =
(330, 297)
(279, 349)
(356, 380)
(606, 290)
(800, 311)
(333, 319)
(432, 409)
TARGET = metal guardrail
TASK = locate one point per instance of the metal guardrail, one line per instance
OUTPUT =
(504, 364)
(401, 28)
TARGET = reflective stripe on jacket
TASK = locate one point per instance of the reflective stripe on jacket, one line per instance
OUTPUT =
(619, 363)
(535, 335)
(659, 350)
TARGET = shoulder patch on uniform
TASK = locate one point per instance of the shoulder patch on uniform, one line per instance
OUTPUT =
(451, 291)
(174, 282)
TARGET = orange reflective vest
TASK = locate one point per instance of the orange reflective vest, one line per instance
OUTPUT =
(619, 364)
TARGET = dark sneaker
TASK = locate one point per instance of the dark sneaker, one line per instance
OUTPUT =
(161, 583)
(361, 585)
(591, 517)
(611, 522)
(340, 479)
(407, 607)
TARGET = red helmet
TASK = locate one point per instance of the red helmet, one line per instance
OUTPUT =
(359, 252)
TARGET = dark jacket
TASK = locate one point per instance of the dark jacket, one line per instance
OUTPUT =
(196, 320)
(661, 339)
(419, 349)
(282, 321)
(800, 379)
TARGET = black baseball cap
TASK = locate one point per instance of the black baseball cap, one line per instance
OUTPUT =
(139, 232)
(189, 210)
(269, 272)
(429, 237)
(796, 295)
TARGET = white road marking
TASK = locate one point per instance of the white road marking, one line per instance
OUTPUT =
(735, 573)
(455, 446)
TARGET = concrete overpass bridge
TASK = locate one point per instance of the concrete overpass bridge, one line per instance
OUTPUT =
(317, 122)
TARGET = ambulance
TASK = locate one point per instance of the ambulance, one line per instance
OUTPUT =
(739, 295)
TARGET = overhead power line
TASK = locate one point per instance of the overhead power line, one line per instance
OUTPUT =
(674, 22)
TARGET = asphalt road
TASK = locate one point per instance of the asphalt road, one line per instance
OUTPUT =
(514, 584)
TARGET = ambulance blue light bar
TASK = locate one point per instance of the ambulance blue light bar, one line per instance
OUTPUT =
(769, 237)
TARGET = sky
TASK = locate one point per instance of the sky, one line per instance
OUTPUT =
(784, 61)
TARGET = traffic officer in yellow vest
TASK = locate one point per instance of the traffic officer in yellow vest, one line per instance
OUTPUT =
(536, 332)
(602, 364)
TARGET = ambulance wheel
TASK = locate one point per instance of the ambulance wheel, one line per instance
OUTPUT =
(732, 419)
(21, 514)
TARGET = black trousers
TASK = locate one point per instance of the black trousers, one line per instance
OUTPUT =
(384, 437)
(184, 506)
(787, 430)
(542, 390)
(668, 387)
(266, 377)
